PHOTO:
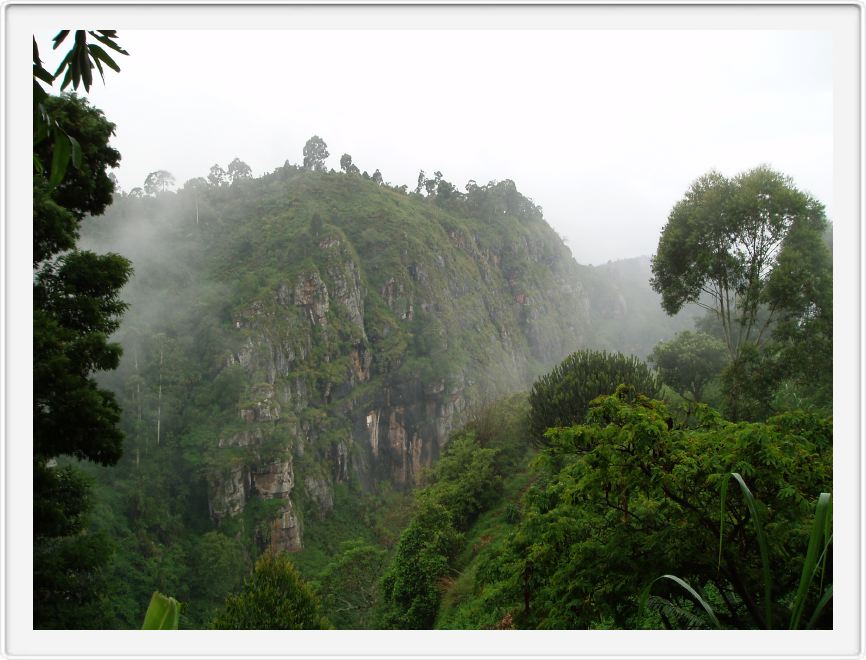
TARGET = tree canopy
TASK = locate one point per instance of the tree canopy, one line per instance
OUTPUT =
(273, 598)
(238, 169)
(347, 166)
(562, 396)
(76, 307)
(751, 251)
(217, 176)
(722, 244)
(158, 181)
(315, 153)
(634, 493)
(689, 361)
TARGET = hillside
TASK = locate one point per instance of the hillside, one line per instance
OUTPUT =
(300, 350)
(627, 313)
(293, 336)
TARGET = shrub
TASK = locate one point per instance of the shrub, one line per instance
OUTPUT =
(562, 397)
(273, 598)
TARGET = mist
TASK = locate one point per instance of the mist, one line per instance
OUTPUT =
(605, 131)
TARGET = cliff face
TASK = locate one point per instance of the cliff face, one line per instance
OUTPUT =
(335, 331)
(388, 322)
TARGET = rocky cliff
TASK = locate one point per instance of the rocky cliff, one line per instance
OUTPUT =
(362, 325)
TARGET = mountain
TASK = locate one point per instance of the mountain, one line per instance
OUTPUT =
(304, 330)
(627, 313)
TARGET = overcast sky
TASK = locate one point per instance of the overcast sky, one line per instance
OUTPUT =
(604, 129)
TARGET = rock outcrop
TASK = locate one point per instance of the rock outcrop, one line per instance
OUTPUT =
(376, 334)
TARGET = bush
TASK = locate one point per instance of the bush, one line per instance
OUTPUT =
(629, 496)
(274, 598)
(562, 397)
(411, 586)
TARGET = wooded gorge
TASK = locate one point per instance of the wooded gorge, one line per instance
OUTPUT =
(315, 399)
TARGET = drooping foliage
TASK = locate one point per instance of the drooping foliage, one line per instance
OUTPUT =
(76, 67)
(562, 396)
(273, 598)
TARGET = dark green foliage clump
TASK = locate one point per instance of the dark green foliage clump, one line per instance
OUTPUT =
(562, 397)
(464, 482)
(634, 494)
(349, 585)
(76, 307)
(273, 598)
(751, 251)
(688, 362)
(411, 586)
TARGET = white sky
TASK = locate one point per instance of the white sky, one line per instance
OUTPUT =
(605, 129)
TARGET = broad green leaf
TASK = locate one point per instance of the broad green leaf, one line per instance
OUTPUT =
(40, 72)
(828, 594)
(685, 585)
(103, 37)
(762, 547)
(39, 95)
(60, 157)
(76, 151)
(63, 64)
(59, 37)
(163, 613)
(99, 54)
(810, 565)
(97, 63)
(83, 59)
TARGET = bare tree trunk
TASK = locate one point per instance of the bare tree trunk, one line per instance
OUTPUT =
(138, 404)
(159, 399)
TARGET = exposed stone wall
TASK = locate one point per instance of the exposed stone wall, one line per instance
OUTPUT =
(397, 425)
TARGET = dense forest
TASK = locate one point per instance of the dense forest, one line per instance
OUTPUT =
(315, 399)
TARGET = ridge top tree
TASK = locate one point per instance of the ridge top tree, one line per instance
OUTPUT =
(315, 153)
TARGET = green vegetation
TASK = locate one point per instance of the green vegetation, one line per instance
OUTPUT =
(307, 361)
(76, 307)
(163, 613)
(634, 494)
(688, 362)
(750, 250)
(814, 562)
(274, 598)
(465, 482)
(271, 320)
(562, 397)
(349, 585)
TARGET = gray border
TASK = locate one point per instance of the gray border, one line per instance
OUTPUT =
(5, 497)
